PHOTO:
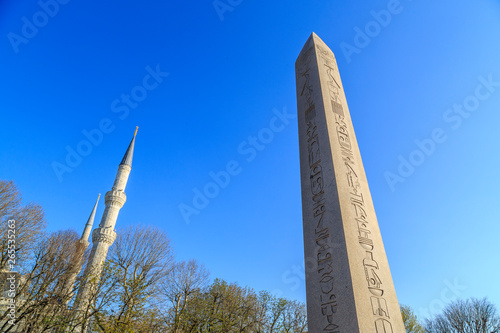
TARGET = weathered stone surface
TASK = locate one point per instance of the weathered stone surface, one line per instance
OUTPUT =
(348, 282)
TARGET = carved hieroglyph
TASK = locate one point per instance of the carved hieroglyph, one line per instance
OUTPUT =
(348, 282)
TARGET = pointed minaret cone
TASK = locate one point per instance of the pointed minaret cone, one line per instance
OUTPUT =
(104, 235)
(81, 246)
(125, 166)
(127, 158)
(88, 227)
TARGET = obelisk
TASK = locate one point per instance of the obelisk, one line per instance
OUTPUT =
(348, 282)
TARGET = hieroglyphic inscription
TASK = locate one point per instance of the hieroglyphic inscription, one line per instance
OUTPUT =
(337, 210)
(334, 88)
(383, 326)
(322, 233)
(305, 72)
(362, 220)
(323, 248)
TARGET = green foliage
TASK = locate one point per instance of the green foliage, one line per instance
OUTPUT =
(410, 320)
(224, 307)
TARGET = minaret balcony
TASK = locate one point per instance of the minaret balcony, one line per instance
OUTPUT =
(103, 235)
(84, 243)
(115, 198)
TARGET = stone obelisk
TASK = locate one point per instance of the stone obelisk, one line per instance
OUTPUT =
(348, 282)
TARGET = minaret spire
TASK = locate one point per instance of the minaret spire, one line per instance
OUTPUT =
(124, 168)
(81, 246)
(88, 227)
(105, 235)
(129, 154)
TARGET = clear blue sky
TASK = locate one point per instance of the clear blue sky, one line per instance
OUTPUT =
(228, 69)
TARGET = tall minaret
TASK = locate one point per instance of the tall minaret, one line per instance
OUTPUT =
(81, 246)
(104, 236)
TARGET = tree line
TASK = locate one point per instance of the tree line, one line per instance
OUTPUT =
(461, 316)
(142, 287)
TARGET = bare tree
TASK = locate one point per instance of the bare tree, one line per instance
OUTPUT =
(294, 317)
(41, 294)
(27, 224)
(45, 265)
(469, 316)
(178, 287)
(277, 310)
(139, 259)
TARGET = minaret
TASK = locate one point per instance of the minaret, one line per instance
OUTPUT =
(84, 240)
(81, 246)
(104, 236)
